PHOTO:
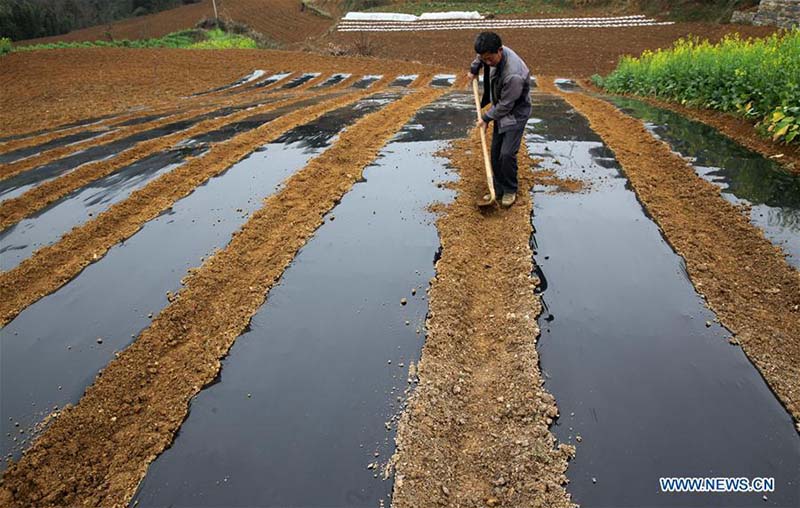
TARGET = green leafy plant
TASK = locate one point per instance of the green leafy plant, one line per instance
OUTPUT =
(783, 123)
(758, 79)
(217, 39)
(5, 45)
(190, 39)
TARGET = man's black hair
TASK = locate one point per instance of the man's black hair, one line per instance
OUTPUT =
(487, 42)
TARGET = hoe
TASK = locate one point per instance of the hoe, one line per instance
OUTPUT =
(487, 162)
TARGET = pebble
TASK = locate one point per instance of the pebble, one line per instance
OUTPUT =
(403, 301)
(578, 438)
(594, 480)
(99, 340)
(708, 324)
(414, 291)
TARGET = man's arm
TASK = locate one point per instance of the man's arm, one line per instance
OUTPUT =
(512, 90)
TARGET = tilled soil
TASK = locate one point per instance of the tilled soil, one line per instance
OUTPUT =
(476, 429)
(97, 452)
(744, 278)
(565, 52)
(282, 21)
(45, 89)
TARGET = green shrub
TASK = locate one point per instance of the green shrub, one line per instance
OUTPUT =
(190, 39)
(755, 78)
(217, 39)
(5, 45)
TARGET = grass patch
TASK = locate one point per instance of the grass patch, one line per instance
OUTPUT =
(214, 38)
(5, 45)
(217, 39)
(417, 7)
(758, 79)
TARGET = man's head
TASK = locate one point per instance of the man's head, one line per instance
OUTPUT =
(489, 46)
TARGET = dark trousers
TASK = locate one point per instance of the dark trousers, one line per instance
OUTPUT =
(504, 160)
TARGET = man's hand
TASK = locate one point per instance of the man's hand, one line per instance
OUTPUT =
(481, 124)
(471, 76)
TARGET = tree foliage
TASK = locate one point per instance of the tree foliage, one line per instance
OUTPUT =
(28, 19)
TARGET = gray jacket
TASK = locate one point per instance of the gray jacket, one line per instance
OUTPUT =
(509, 91)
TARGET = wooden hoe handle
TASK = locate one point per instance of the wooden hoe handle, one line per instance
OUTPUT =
(487, 162)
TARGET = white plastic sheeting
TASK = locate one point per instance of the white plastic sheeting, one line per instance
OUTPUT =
(378, 16)
(486, 24)
(450, 15)
(396, 16)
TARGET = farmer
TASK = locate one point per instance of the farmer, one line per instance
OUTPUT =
(509, 92)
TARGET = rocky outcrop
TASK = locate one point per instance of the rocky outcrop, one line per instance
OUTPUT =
(782, 13)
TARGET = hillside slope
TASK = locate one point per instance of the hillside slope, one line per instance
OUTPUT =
(280, 20)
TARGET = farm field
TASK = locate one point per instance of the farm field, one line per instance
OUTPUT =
(259, 278)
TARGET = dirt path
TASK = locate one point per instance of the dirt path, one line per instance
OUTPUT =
(745, 279)
(52, 266)
(476, 429)
(96, 453)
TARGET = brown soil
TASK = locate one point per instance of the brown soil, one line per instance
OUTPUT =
(44, 89)
(549, 178)
(52, 266)
(97, 452)
(565, 52)
(170, 112)
(476, 429)
(744, 278)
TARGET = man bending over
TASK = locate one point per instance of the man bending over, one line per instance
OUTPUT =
(507, 86)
